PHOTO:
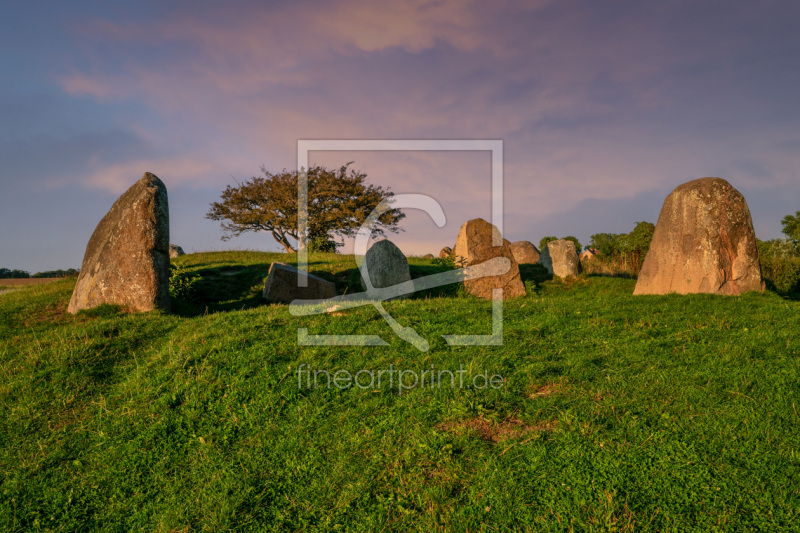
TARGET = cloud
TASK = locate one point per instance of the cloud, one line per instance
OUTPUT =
(595, 101)
(117, 178)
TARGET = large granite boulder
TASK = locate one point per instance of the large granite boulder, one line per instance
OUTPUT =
(175, 251)
(703, 242)
(475, 246)
(524, 252)
(127, 258)
(560, 258)
(445, 252)
(387, 266)
(281, 285)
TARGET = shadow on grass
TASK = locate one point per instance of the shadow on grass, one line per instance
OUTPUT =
(239, 287)
(535, 273)
(232, 288)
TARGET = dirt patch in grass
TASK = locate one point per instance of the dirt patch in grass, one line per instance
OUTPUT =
(51, 313)
(548, 389)
(491, 431)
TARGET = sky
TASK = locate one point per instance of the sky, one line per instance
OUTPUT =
(603, 108)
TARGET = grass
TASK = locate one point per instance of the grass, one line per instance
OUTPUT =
(617, 413)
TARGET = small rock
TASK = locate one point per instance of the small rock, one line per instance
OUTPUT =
(428, 256)
(175, 251)
(524, 252)
(445, 252)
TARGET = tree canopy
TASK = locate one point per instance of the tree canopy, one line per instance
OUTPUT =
(339, 200)
(791, 226)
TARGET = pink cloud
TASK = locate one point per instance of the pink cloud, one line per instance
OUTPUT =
(573, 99)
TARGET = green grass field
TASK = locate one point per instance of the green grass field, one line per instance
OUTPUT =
(617, 413)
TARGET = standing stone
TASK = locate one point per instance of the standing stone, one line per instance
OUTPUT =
(387, 266)
(475, 246)
(127, 258)
(281, 285)
(560, 258)
(445, 252)
(175, 251)
(524, 252)
(703, 243)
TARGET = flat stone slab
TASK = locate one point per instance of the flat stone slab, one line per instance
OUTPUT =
(281, 285)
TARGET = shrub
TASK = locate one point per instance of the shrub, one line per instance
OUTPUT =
(322, 243)
(450, 262)
(182, 285)
(782, 274)
(544, 242)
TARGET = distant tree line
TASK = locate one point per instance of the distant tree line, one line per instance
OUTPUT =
(8, 274)
(11, 274)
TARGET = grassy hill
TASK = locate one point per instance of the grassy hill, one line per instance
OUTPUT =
(617, 413)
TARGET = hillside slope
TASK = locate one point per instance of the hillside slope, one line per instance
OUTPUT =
(615, 412)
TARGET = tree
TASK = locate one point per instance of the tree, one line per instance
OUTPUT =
(791, 226)
(339, 201)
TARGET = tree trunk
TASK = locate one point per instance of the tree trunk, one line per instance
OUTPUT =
(284, 242)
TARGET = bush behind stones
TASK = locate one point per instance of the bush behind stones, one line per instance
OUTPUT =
(182, 285)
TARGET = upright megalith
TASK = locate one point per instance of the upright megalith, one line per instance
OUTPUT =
(524, 252)
(703, 242)
(560, 258)
(475, 245)
(127, 258)
(387, 266)
(281, 285)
